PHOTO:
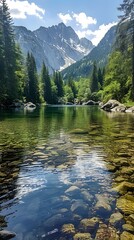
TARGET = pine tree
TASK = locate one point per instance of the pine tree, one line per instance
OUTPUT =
(46, 84)
(7, 55)
(59, 83)
(94, 79)
(100, 78)
(127, 7)
(72, 85)
(32, 86)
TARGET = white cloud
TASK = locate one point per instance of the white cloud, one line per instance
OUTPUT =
(97, 35)
(83, 20)
(21, 9)
(65, 17)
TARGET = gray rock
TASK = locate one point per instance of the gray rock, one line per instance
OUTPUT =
(130, 110)
(112, 103)
(5, 235)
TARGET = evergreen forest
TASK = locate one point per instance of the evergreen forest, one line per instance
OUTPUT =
(19, 78)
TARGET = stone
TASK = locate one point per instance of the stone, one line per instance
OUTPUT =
(5, 235)
(124, 205)
(130, 110)
(126, 236)
(119, 108)
(102, 206)
(123, 187)
(82, 236)
(72, 190)
(127, 170)
(87, 196)
(89, 225)
(128, 228)
(131, 219)
(68, 229)
(112, 103)
(116, 219)
(79, 207)
(79, 131)
(106, 233)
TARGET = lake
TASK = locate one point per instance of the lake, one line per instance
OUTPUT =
(67, 172)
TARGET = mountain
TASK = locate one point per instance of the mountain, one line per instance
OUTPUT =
(58, 46)
(100, 53)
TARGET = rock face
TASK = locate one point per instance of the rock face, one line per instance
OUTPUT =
(58, 46)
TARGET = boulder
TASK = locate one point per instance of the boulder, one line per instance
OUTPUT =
(82, 236)
(125, 205)
(29, 106)
(68, 229)
(119, 108)
(130, 110)
(116, 219)
(73, 190)
(106, 233)
(79, 207)
(126, 236)
(123, 187)
(128, 227)
(91, 103)
(102, 206)
(89, 225)
(110, 104)
(5, 235)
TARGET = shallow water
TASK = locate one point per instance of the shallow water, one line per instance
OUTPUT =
(56, 162)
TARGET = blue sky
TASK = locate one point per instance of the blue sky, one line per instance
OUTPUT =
(89, 18)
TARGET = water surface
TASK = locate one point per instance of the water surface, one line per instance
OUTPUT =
(56, 162)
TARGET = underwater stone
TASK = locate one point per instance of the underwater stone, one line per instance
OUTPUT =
(82, 236)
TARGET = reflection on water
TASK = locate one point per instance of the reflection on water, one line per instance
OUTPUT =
(59, 166)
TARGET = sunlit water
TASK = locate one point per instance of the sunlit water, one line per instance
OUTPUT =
(53, 163)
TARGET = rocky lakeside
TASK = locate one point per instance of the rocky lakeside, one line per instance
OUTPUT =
(114, 106)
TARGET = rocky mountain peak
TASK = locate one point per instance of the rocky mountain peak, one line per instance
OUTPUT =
(58, 46)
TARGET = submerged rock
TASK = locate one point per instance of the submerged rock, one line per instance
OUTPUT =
(72, 190)
(102, 206)
(125, 205)
(82, 236)
(123, 187)
(89, 225)
(128, 228)
(106, 233)
(116, 219)
(5, 235)
(68, 229)
(126, 236)
(79, 207)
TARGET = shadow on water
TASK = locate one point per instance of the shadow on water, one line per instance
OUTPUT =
(59, 166)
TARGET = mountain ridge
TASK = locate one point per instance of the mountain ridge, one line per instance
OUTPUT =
(100, 54)
(58, 46)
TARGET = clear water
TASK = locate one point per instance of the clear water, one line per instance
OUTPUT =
(45, 152)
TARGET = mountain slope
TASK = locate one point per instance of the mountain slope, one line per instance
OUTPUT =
(58, 46)
(99, 54)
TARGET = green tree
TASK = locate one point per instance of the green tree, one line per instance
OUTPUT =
(72, 85)
(94, 79)
(59, 83)
(7, 55)
(46, 84)
(127, 7)
(32, 85)
(100, 78)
